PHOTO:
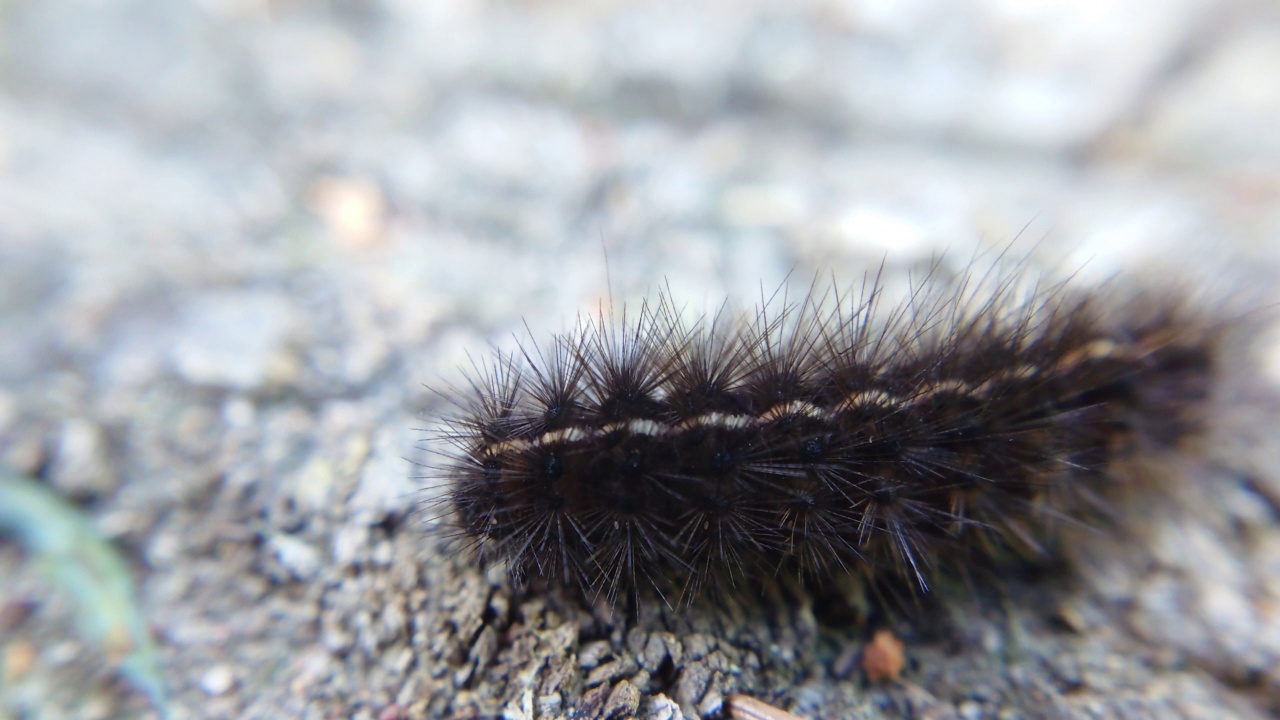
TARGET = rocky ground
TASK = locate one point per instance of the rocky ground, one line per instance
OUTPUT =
(240, 238)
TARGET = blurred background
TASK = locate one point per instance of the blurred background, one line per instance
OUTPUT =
(237, 237)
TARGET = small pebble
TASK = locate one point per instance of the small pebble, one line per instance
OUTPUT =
(217, 680)
(662, 707)
(353, 208)
(19, 658)
(883, 658)
(299, 558)
(742, 707)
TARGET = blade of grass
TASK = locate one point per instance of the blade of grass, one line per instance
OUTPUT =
(82, 564)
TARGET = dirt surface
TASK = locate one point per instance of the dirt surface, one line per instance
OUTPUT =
(240, 238)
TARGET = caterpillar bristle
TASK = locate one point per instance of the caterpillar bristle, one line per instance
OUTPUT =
(824, 435)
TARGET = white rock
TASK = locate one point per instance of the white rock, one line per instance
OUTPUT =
(298, 557)
(217, 680)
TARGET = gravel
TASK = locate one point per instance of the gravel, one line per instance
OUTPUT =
(240, 239)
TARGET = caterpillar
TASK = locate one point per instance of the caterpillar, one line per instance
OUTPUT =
(831, 434)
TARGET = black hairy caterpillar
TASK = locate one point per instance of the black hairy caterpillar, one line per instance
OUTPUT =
(825, 435)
